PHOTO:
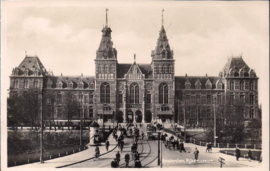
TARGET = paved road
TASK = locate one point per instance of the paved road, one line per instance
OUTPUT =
(148, 151)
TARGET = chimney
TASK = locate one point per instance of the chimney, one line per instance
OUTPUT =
(206, 75)
(186, 75)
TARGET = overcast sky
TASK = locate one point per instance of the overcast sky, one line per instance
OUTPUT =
(202, 34)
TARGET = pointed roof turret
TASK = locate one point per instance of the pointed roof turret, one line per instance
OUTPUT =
(162, 50)
(106, 50)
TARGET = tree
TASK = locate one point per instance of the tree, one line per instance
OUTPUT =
(14, 111)
(49, 107)
(71, 109)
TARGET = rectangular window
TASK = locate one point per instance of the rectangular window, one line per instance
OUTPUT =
(91, 112)
(91, 96)
(218, 99)
(148, 98)
(208, 99)
(242, 99)
(251, 113)
(192, 99)
(120, 98)
(59, 98)
(232, 99)
(208, 112)
(198, 99)
(251, 99)
(59, 112)
(187, 99)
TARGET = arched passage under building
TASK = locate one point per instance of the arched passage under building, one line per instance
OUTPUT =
(130, 117)
(138, 116)
(119, 117)
(148, 117)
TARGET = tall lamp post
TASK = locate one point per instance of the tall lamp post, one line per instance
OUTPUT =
(41, 136)
(215, 122)
(185, 119)
(81, 119)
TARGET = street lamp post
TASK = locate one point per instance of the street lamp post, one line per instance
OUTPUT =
(81, 120)
(185, 120)
(41, 136)
(215, 122)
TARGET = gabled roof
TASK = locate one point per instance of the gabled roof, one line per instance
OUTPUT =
(123, 69)
(193, 79)
(235, 63)
(66, 79)
(32, 64)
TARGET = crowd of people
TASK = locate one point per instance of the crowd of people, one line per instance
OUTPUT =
(133, 155)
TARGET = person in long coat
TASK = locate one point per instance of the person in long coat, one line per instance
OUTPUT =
(237, 153)
(196, 153)
(249, 155)
(127, 158)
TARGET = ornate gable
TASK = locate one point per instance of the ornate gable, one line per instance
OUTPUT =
(134, 72)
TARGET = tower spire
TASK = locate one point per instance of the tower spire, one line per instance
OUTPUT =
(162, 18)
(107, 17)
(134, 57)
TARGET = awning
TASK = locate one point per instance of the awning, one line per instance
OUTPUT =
(101, 112)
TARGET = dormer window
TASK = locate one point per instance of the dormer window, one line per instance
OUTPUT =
(198, 84)
(208, 85)
(187, 85)
(81, 85)
(91, 85)
(70, 85)
(49, 84)
(26, 72)
(60, 85)
(16, 71)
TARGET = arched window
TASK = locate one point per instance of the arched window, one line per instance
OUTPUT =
(36, 84)
(232, 99)
(251, 85)
(242, 98)
(160, 68)
(164, 69)
(252, 100)
(26, 85)
(16, 84)
(241, 85)
(231, 85)
(134, 93)
(105, 93)
(252, 111)
(112, 69)
(171, 69)
(99, 68)
(163, 93)
(107, 69)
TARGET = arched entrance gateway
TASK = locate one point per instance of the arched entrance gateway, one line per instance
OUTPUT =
(119, 117)
(148, 117)
(130, 116)
(138, 116)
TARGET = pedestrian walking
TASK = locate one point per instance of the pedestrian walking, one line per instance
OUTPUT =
(182, 148)
(142, 135)
(210, 147)
(122, 146)
(207, 147)
(137, 156)
(138, 164)
(237, 153)
(97, 152)
(127, 158)
(107, 143)
(118, 156)
(114, 163)
(249, 155)
(196, 154)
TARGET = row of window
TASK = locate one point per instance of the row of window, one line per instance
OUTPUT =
(198, 86)
(106, 69)
(134, 94)
(198, 112)
(70, 85)
(242, 99)
(15, 84)
(164, 68)
(243, 85)
(106, 76)
(82, 97)
(26, 72)
(60, 113)
(164, 76)
(242, 73)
